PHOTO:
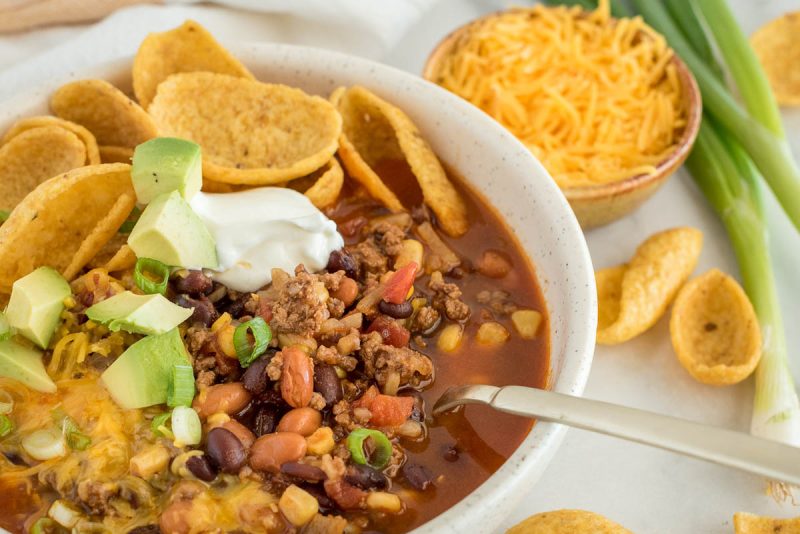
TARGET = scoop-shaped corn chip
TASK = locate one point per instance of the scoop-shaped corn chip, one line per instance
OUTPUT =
(609, 294)
(649, 283)
(778, 49)
(125, 258)
(90, 143)
(34, 156)
(251, 132)
(567, 522)
(715, 330)
(327, 184)
(187, 48)
(375, 130)
(49, 226)
(113, 118)
(744, 523)
(116, 154)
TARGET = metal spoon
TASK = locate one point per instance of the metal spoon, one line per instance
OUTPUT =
(770, 459)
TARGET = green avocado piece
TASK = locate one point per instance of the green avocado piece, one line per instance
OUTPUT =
(171, 232)
(140, 376)
(25, 365)
(166, 164)
(140, 314)
(37, 300)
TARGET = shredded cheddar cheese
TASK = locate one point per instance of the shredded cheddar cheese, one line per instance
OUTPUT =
(596, 99)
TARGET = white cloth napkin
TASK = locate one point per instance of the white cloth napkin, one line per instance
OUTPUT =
(364, 27)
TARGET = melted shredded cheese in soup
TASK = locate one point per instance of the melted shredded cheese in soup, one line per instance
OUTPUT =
(595, 99)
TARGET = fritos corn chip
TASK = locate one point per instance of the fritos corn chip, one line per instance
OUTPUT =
(33, 156)
(115, 154)
(187, 48)
(715, 330)
(609, 291)
(90, 143)
(325, 190)
(568, 522)
(267, 134)
(778, 49)
(649, 283)
(51, 224)
(744, 523)
(375, 130)
(113, 118)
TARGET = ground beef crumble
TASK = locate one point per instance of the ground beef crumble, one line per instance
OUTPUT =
(331, 356)
(447, 298)
(372, 255)
(301, 307)
(498, 301)
(381, 360)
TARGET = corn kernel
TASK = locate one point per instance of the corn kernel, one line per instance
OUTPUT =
(526, 322)
(224, 320)
(298, 505)
(450, 338)
(149, 462)
(320, 442)
(217, 419)
(225, 340)
(412, 251)
(384, 502)
(492, 333)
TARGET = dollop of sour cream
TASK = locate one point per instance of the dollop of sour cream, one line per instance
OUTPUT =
(264, 228)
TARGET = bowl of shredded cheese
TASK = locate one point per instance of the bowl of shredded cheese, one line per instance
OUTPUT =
(605, 105)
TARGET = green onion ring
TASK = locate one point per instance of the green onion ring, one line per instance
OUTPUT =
(159, 425)
(6, 426)
(180, 390)
(155, 267)
(383, 447)
(262, 335)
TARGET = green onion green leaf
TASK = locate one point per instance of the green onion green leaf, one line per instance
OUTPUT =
(180, 391)
(45, 525)
(6, 426)
(159, 426)
(156, 269)
(76, 440)
(262, 335)
(381, 454)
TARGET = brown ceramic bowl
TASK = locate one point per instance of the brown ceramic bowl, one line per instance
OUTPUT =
(603, 203)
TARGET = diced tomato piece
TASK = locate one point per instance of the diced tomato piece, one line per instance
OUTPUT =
(392, 332)
(387, 410)
(347, 496)
(398, 285)
(264, 309)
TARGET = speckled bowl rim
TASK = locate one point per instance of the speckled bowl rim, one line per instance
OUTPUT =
(486, 507)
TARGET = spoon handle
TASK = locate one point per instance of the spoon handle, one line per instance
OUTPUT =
(770, 459)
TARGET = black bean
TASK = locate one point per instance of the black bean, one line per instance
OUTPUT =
(255, 377)
(418, 476)
(327, 383)
(238, 307)
(225, 450)
(451, 453)
(304, 471)
(146, 529)
(201, 467)
(326, 504)
(195, 284)
(204, 311)
(365, 477)
(266, 420)
(398, 311)
(341, 260)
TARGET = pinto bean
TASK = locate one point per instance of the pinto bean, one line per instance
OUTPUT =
(176, 518)
(271, 451)
(241, 432)
(327, 383)
(221, 398)
(303, 421)
(347, 291)
(255, 377)
(225, 450)
(297, 377)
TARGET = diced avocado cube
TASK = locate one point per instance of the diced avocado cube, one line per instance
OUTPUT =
(140, 314)
(140, 376)
(25, 365)
(169, 231)
(37, 300)
(166, 164)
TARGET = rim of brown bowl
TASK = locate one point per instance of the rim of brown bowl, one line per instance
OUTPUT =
(664, 169)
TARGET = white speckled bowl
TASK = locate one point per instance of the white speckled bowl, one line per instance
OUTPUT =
(497, 165)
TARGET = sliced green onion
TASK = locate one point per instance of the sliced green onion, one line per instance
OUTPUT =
(64, 513)
(383, 447)
(45, 525)
(186, 426)
(76, 440)
(159, 426)
(154, 267)
(6, 402)
(180, 391)
(5, 327)
(44, 444)
(4, 215)
(6, 426)
(262, 335)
